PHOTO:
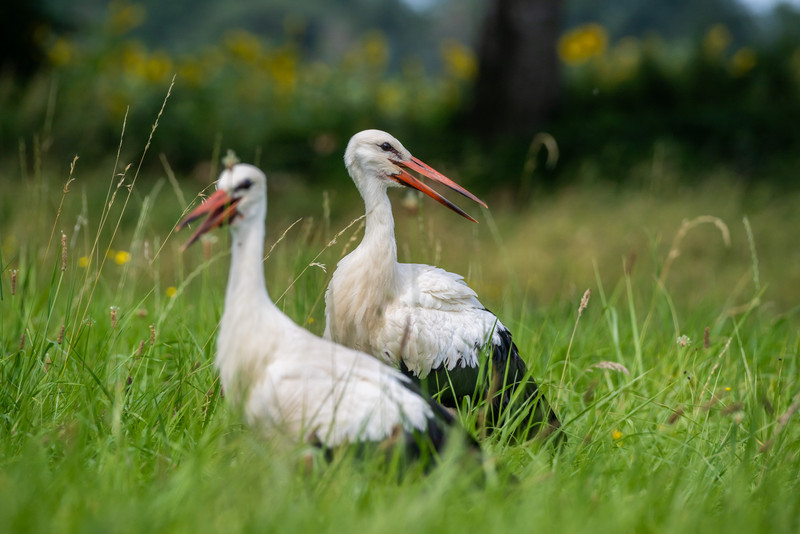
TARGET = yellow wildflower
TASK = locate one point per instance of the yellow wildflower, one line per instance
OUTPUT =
(376, 50)
(616, 435)
(743, 61)
(582, 43)
(134, 58)
(243, 45)
(122, 257)
(191, 71)
(716, 40)
(124, 17)
(157, 67)
(83, 262)
(389, 97)
(171, 291)
(61, 52)
(459, 60)
(283, 68)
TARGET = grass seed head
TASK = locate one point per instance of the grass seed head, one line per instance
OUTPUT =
(152, 334)
(63, 252)
(612, 366)
(113, 316)
(675, 415)
(588, 395)
(584, 301)
(13, 282)
(706, 339)
(733, 408)
(230, 159)
(60, 338)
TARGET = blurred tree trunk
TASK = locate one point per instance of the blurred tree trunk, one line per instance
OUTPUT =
(517, 85)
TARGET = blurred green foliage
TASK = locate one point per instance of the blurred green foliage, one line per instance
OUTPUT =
(710, 99)
(241, 92)
(715, 100)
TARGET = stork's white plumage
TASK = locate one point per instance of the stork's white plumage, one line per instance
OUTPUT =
(287, 379)
(420, 318)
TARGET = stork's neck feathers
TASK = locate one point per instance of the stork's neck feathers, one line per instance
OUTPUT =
(365, 279)
(244, 334)
(379, 242)
(246, 285)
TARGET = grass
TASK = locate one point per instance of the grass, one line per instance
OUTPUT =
(118, 423)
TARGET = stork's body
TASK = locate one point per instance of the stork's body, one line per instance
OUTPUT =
(288, 380)
(420, 318)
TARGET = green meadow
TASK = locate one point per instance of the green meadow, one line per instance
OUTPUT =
(677, 380)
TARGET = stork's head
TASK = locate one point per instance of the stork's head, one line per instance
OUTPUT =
(376, 160)
(241, 196)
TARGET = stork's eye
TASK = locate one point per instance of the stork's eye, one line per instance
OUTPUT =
(386, 147)
(244, 186)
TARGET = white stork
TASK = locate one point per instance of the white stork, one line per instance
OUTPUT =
(420, 318)
(288, 380)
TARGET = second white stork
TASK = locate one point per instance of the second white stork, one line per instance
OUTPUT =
(288, 380)
(421, 318)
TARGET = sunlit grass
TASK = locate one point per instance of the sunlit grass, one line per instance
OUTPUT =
(677, 396)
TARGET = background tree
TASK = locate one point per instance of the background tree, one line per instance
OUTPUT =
(518, 79)
(23, 29)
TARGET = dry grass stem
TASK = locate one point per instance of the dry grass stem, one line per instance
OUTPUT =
(64, 192)
(282, 236)
(584, 303)
(611, 366)
(588, 395)
(104, 216)
(687, 225)
(353, 237)
(716, 365)
(713, 401)
(173, 181)
(314, 260)
(783, 420)
(675, 415)
(542, 139)
(733, 408)
(753, 257)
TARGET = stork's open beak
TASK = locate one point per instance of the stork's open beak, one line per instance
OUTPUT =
(424, 169)
(220, 207)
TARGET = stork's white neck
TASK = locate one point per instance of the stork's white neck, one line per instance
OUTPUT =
(365, 280)
(379, 242)
(246, 285)
(245, 333)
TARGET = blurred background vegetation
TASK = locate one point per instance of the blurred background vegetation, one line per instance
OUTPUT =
(286, 83)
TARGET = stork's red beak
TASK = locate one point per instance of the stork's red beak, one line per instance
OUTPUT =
(220, 208)
(424, 169)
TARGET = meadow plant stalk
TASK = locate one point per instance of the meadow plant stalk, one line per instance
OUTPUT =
(582, 306)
